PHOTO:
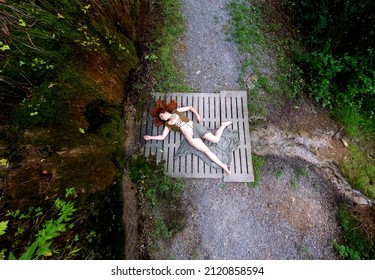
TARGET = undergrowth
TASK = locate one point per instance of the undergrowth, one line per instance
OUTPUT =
(63, 67)
(356, 244)
(258, 163)
(168, 75)
(152, 181)
(360, 171)
(161, 197)
(268, 70)
(37, 233)
(278, 64)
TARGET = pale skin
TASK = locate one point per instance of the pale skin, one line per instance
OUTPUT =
(187, 131)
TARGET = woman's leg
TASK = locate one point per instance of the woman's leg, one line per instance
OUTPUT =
(199, 145)
(214, 138)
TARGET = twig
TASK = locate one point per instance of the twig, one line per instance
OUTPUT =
(337, 132)
(29, 180)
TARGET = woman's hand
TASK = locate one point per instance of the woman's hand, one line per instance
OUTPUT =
(197, 116)
(157, 137)
(147, 137)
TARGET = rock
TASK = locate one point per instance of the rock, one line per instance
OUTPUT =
(344, 142)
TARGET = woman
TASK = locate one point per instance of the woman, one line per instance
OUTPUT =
(175, 120)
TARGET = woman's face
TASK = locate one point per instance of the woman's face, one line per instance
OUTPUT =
(164, 116)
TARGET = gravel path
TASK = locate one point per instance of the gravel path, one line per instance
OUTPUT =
(210, 61)
(290, 214)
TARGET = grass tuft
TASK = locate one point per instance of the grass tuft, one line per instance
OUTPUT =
(169, 77)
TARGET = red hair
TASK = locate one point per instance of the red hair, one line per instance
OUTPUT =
(161, 107)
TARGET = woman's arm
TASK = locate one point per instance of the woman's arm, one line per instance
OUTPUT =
(191, 109)
(158, 137)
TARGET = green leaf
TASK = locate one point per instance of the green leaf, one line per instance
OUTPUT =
(3, 227)
(70, 192)
(45, 250)
(29, 252)
(12, 257)
(81, 130)
(2, 254)
(3, 162)
(4, 47)
(21, 22)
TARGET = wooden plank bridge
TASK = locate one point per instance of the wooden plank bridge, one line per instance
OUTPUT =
(213, 109)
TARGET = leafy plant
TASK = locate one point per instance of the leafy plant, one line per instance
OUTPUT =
(301, 171)
(355, 244)
(88, 41)
(341, 80)
(4, 46)
(42, 246)
(160, 230)
(48, 87)
(3, 162)
(150, 177)
(258, 163)
(159, 195)
(3, 227)
(346, 252)
(338, 63)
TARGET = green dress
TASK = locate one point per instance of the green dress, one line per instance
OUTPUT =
(228, 142)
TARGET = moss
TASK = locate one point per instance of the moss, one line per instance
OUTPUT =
(53, 67)
(25, 182)
(120, 47)
(134, 9)
(45, 107)
(360, 171)
(92, 172)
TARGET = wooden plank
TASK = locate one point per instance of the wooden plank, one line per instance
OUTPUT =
(200, 109)
(243, 164)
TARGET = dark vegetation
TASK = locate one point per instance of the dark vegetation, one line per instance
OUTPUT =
(63, 70)
(70, 72)
(161, 207)
(161, 197)
(340, 65)
(330, 48)
(339, 71)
